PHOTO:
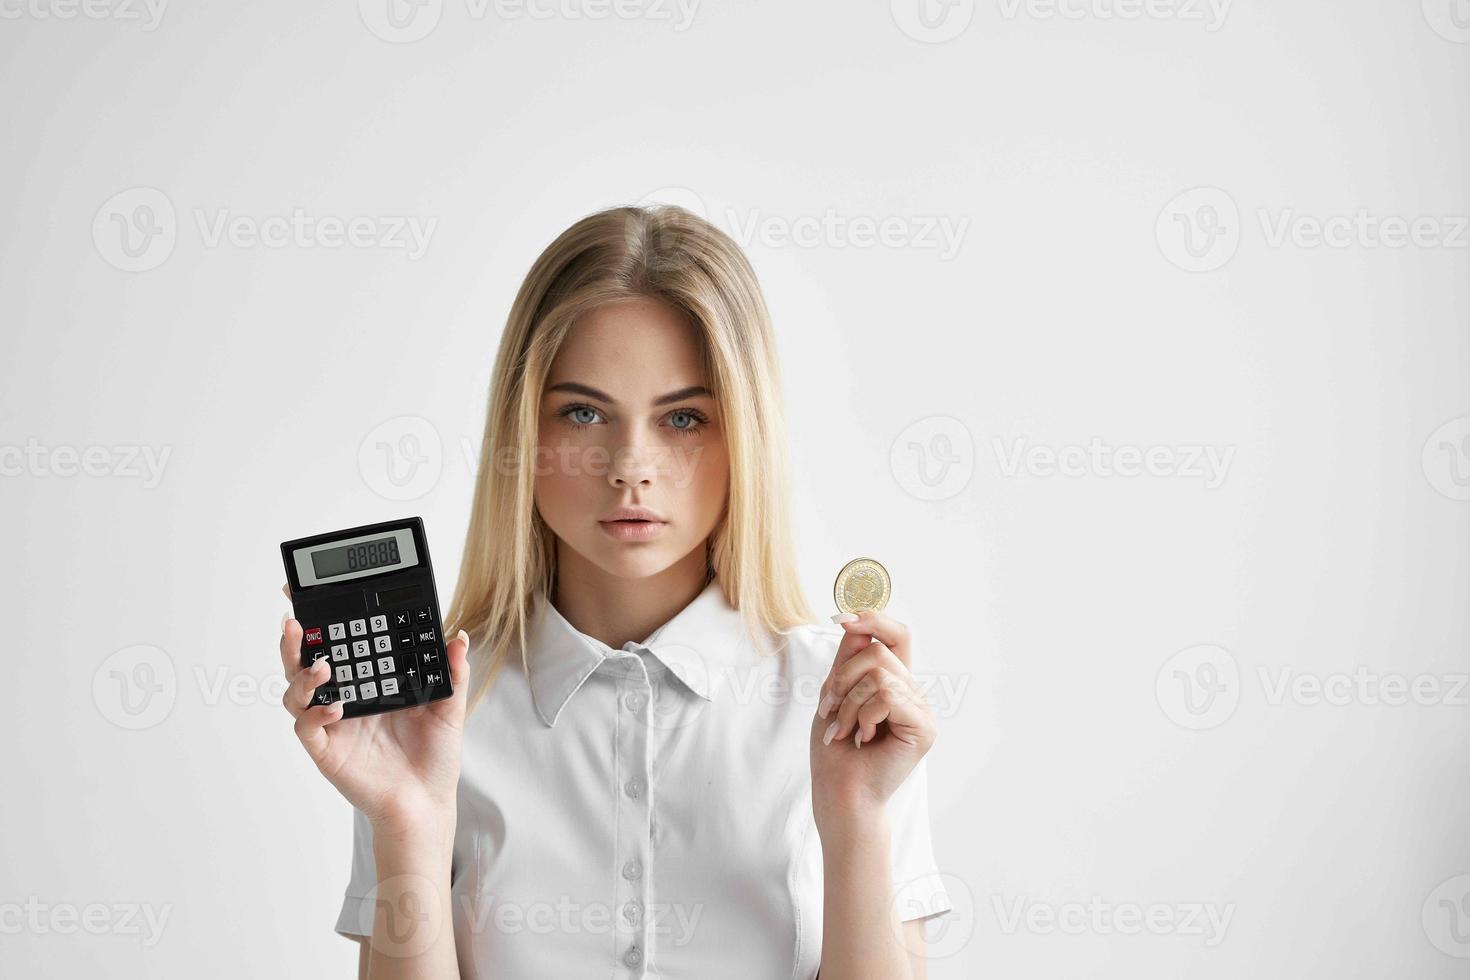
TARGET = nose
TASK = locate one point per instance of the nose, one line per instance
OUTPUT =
(634, 464)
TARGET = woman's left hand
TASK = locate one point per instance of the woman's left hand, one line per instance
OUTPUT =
(883, 722)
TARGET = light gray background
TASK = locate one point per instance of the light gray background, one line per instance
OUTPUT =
(1116, 731)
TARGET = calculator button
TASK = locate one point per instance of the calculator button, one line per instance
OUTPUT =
(402, 618)
(370, 689)
(344, 673)
(415, 678)
(364, 669)
(359, 627)
(430, 656)
(422, 617)
(405, 640)
(339, 651)
(386, 665)
(337, 631)
(318, 655)
(379, 624)
(324, 695)
(390, 685)
(312, 637)
(359, 648)
(433, 677)
(347, 693)
(382, 644)
(426, 635)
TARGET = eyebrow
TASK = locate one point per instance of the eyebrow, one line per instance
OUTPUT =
(693, 391)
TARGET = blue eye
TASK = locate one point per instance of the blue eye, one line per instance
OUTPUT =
(696, 421)
(572, 413)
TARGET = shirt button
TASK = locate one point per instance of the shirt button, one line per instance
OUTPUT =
(633, 700)
(633, 870)
(631, 912)
(633, 956)
(634, 787)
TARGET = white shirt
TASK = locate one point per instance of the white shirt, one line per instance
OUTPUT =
(646, 812)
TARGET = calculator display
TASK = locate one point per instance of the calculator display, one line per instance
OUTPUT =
(378, 553)
(355, 557)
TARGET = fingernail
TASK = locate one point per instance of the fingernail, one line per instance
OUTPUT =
(831, 730)
(464, 636)
(284, 617)
(828, 703)
(844, 618)
(857, 741)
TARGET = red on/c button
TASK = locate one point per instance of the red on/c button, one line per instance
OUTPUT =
(313, 636)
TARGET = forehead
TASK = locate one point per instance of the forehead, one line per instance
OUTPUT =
(630, 349)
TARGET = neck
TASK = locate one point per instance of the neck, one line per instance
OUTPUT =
(617, 610)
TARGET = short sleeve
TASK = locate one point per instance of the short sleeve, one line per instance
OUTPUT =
(356, 917)
(917, 886)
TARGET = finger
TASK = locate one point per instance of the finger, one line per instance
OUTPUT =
(896, 636)
(311, 727)
(457, 651)
(842, 679)
(868, 685)
(303, 687)
(286, 588)
(904, 709)
(290, 647)
(851, 644)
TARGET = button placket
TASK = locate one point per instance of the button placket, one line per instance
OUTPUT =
(634, 818)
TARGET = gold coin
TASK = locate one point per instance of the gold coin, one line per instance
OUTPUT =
(862, 584)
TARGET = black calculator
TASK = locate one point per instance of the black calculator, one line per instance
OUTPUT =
(365, 599)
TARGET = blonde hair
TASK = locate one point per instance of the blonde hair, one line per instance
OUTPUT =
(663, 253)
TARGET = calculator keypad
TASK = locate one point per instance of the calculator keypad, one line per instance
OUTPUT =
(391, 654)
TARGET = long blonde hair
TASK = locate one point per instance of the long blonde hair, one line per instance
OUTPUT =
(664, 253)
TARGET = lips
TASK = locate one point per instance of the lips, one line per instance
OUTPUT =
(632, 515)
(633, 524)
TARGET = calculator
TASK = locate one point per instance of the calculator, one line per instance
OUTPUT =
(366, 600)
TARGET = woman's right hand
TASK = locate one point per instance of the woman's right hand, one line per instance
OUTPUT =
(400, 768)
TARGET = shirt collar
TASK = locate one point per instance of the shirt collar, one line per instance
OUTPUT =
(695, 645)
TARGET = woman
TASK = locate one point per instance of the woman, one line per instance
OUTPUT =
(662, 766)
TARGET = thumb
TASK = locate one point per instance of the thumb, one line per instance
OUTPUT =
(457, 651)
